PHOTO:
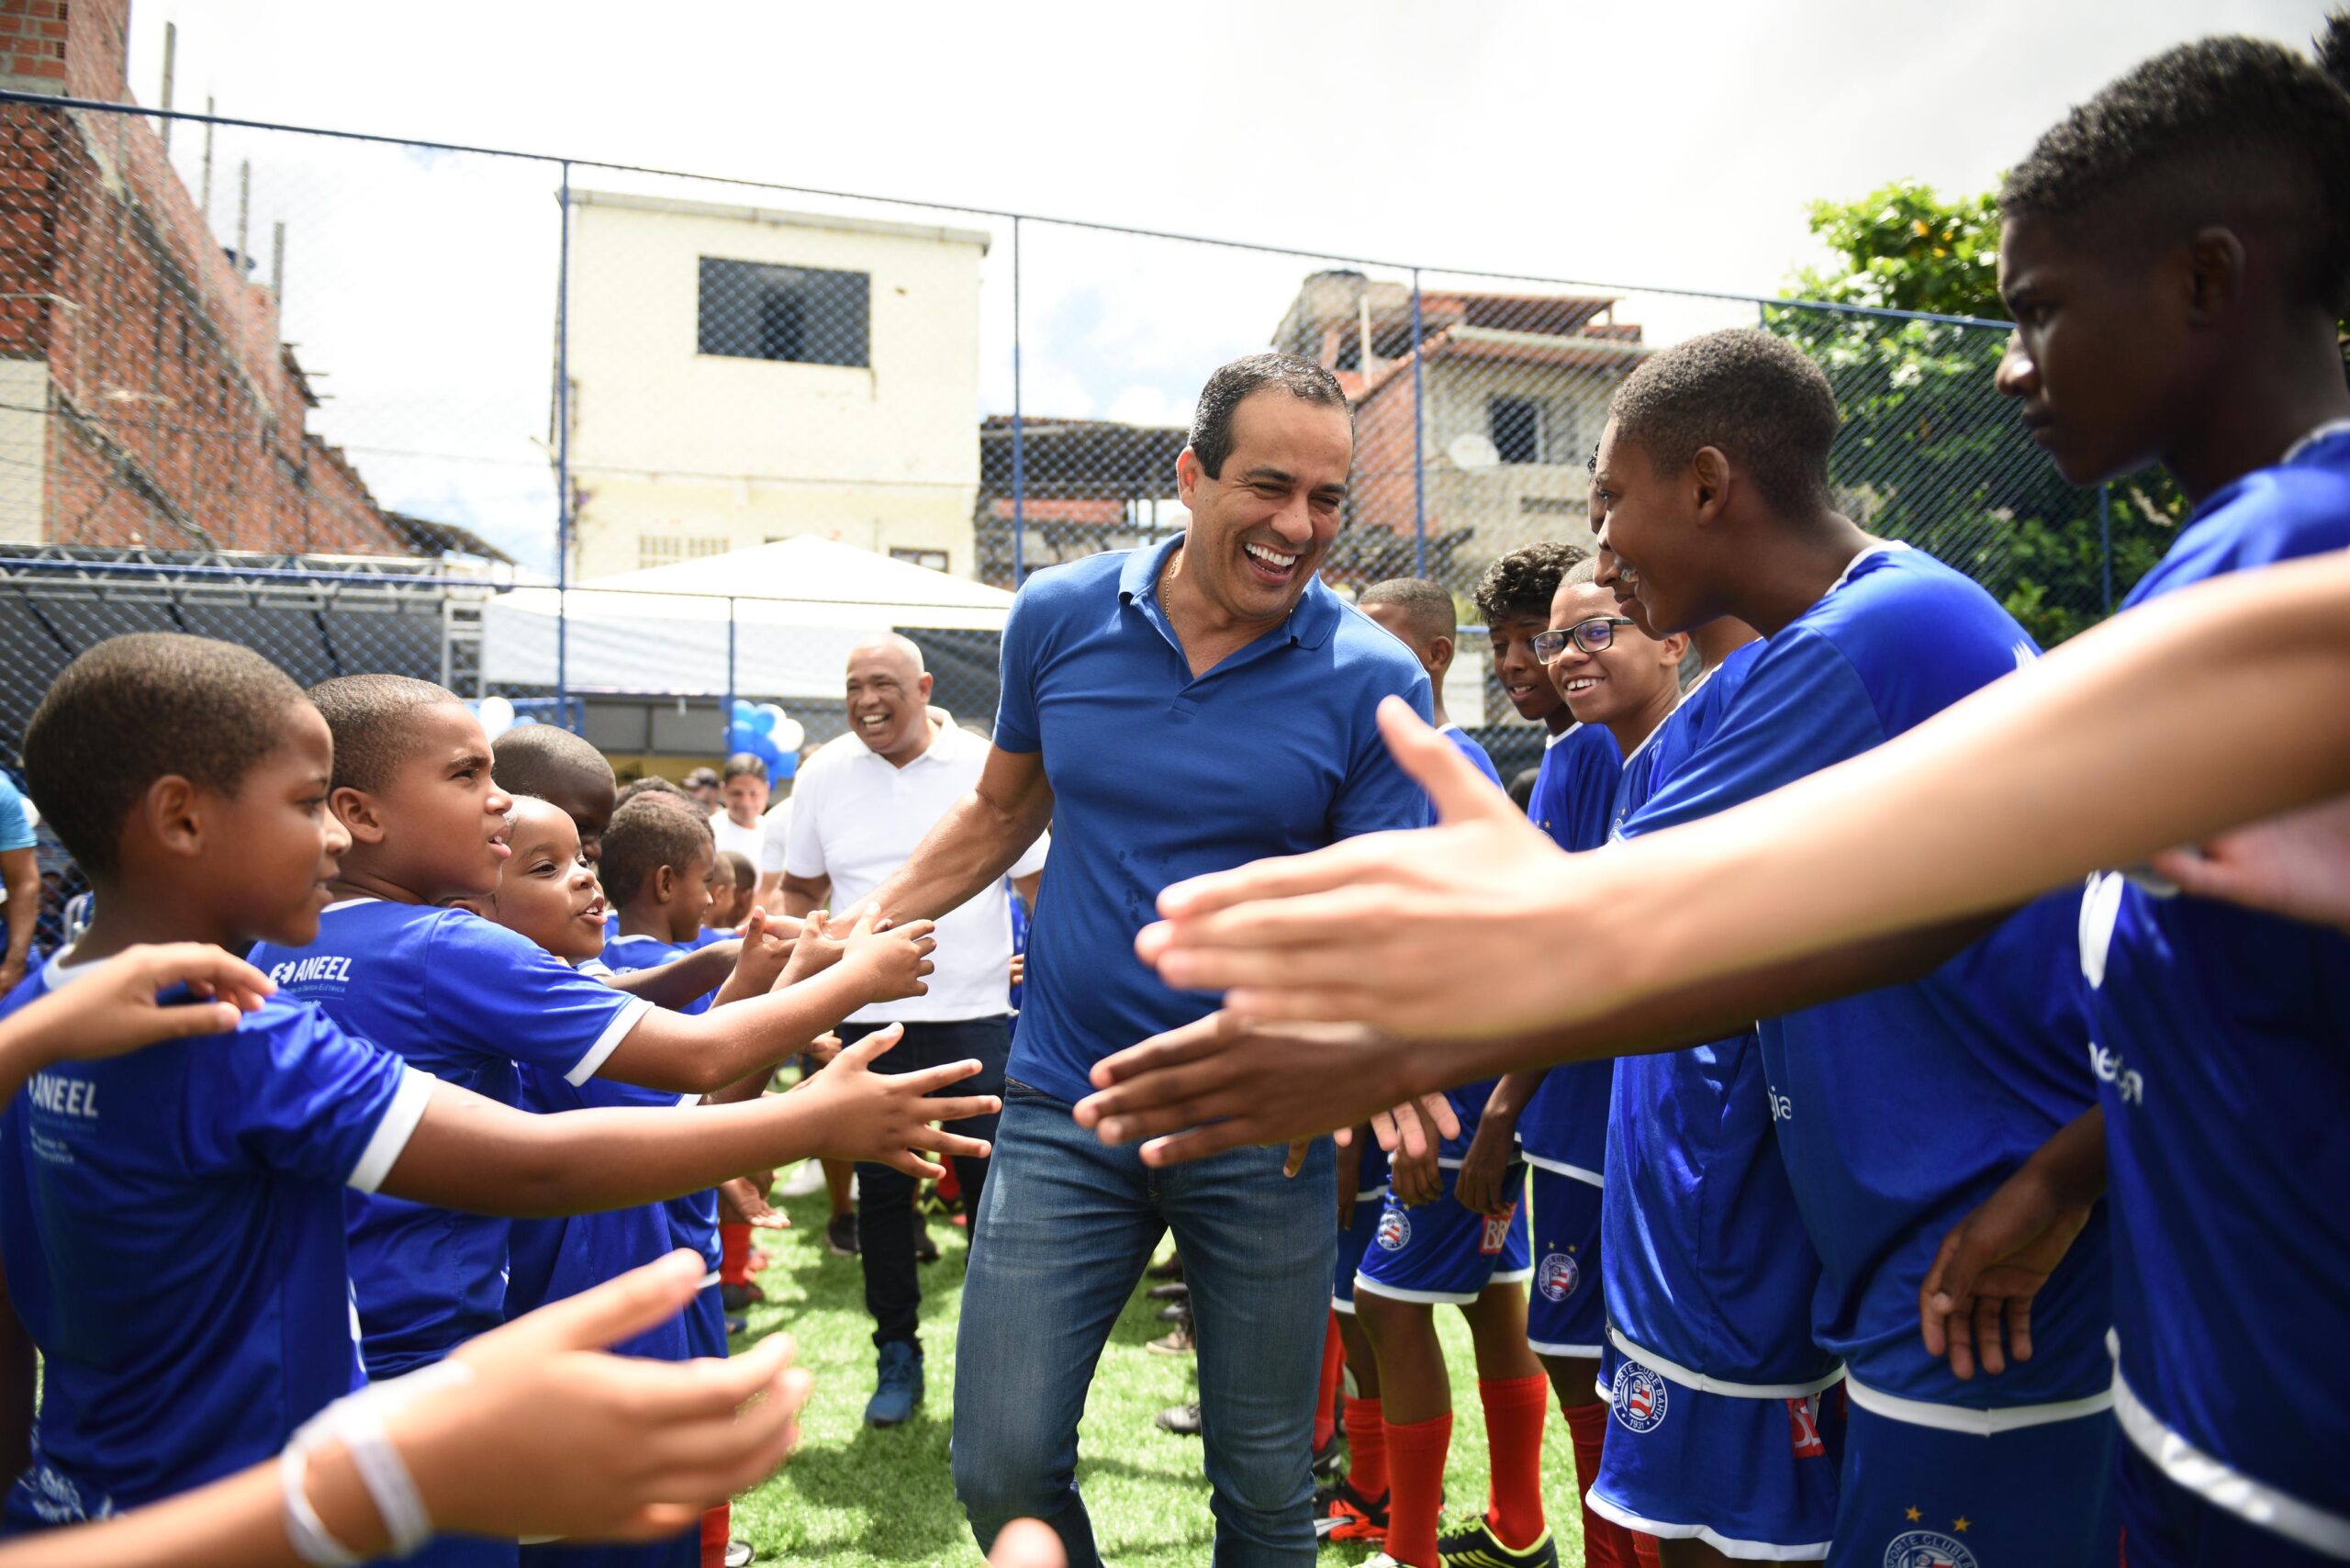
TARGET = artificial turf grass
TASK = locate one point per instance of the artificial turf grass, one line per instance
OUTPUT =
(857, 1496)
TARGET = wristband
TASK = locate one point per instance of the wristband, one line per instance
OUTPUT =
(356, 1421)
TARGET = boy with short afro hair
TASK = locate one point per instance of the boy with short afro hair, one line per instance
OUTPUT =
(213, 1170)
(1514, 596)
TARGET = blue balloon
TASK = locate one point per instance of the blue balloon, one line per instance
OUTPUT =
(765, 751)
(786, 765)
(766, 716)
(742, 737)
(742, 711)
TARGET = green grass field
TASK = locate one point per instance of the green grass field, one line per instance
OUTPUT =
(860, 1497)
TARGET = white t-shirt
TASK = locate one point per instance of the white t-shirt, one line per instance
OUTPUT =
(776, 824)
(857, 819)
(750, 842)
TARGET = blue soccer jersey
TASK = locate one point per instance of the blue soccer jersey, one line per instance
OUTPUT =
(467, 1002)
(1897, 1111)
(1706, 1267)
(693, 1216)
(173, 1226)
(1478, 756)
(1564, 1127)
(2222, 1055)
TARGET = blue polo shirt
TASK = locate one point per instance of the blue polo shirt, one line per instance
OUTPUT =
(1157, 776)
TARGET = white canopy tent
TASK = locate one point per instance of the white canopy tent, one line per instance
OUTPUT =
(774, 620)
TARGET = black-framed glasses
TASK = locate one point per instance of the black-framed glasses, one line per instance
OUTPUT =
(1595, 635)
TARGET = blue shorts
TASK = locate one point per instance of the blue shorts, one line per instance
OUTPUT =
(1441, 1251)
(681, 1550)
(1752, 1477)
(2167, 1525)
(1353, 1242)
(705, 1320)
(1565, 1313)
(1917, 1497)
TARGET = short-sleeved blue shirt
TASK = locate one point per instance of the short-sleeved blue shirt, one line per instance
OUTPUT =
(467, 1002)
(16, 822)
(173, 1225)
(2222, 1054)
(1157, 776)
(1900, 1110)
(1564, 1127)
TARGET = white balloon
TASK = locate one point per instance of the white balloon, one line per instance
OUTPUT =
(789, 734)
(497, 715)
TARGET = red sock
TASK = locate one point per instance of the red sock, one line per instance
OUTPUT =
(1514, 1408)
(1605, 1544)
(1366, 1449)
(1326, 1393)
(1416, 1476)
(950, 1186)
(734, 1254)
(716, 1526)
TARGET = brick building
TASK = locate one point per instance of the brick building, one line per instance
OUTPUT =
(145, 396)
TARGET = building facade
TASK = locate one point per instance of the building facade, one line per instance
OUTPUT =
(740, 375)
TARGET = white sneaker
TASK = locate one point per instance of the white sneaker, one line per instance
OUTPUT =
(807, 1180)
(1380, 1560)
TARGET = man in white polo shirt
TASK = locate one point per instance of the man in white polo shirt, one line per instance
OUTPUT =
(860, 806)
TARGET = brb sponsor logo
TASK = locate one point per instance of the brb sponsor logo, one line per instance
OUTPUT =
(1640, 1397)
(1927, 1548)
(1803, 1428)
(1395, 1229)
(1496, 1233)
(1557, 1276)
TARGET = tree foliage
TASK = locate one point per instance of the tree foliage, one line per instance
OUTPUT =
(1930, 452)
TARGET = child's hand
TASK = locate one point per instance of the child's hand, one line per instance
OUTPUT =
(890, 960)
(743, 1201)
(885, 1118)
(113, 1009)
(1416, 1176)
(822, 1051)
(767, 946)
(1019, 968)
(816, 950)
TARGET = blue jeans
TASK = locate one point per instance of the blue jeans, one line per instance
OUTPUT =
(1064, 1233)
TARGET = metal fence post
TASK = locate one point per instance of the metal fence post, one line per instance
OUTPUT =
(726, 713)
(2105, 539)
(562, 455)
(1019, 464)
(1419, 431)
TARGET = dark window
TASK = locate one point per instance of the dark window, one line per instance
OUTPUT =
(1517, 428)
(804, 314)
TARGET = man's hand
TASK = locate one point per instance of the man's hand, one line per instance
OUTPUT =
(2297, 865)
(1223, 1082)
(1425, 932)
(884, 1118)
(114, 1008)
(1975, 1303)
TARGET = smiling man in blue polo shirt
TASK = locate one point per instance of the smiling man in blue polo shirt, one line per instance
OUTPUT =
(1170, 711)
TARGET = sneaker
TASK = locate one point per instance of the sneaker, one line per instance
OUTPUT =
(1170, 1269)
(739, 1298)
(840, 1234)
(1174, 1312)
(807, 1180)
(1179, 1343)
(1175, 1289)
(1329, 1458)
(925, 1250)
(736, 1324)
(739, 1554)
(1478, 1547)
(1183, 1421)
(898, 1387)
(1341, 1513)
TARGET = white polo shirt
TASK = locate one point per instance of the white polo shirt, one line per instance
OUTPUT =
(856, 818)
(748, 842)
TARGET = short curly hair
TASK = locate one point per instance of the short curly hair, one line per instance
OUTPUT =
(370, 715)
(133, 708)
(1210, 437)
(1522, 583)
(2222, 128)
(1755, 396)
(646, 835)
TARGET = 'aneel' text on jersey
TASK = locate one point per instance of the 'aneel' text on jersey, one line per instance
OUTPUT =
(64, 1097)
(319, 968)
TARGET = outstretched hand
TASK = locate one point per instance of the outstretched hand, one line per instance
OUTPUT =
(116, 1006)
(888, 1118)
(1421, 932)
(2297, 865)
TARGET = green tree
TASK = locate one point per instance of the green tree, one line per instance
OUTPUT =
(1930, 452)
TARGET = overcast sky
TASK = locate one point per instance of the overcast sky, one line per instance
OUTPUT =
(1666, 145)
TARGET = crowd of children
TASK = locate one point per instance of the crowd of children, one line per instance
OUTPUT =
(1826, 1229)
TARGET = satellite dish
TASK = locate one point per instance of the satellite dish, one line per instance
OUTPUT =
(1472, 451)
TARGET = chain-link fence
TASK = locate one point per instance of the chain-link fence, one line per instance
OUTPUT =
(628, 447)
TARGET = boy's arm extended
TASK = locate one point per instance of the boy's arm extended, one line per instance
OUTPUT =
(680, 980)
(471, 1153)
(701, 1055)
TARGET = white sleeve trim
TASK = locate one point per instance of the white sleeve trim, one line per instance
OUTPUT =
(1964, 1418)
(607, 1042)
(392, 1133)
(2222, 1486)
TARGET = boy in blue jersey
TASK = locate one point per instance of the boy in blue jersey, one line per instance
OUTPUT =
(190, 778)
(1514, 597)
(2176, 254)
(1418, 613)
(1617, 683)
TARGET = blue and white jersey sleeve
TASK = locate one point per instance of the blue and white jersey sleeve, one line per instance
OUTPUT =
(492, 991)
(294, 1094)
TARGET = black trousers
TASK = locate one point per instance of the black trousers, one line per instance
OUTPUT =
(885, 1199)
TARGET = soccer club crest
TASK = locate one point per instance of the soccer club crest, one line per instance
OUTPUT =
(1395, 1229)
(1557, 1276)
(1640, 1397)
(1927, 1548)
